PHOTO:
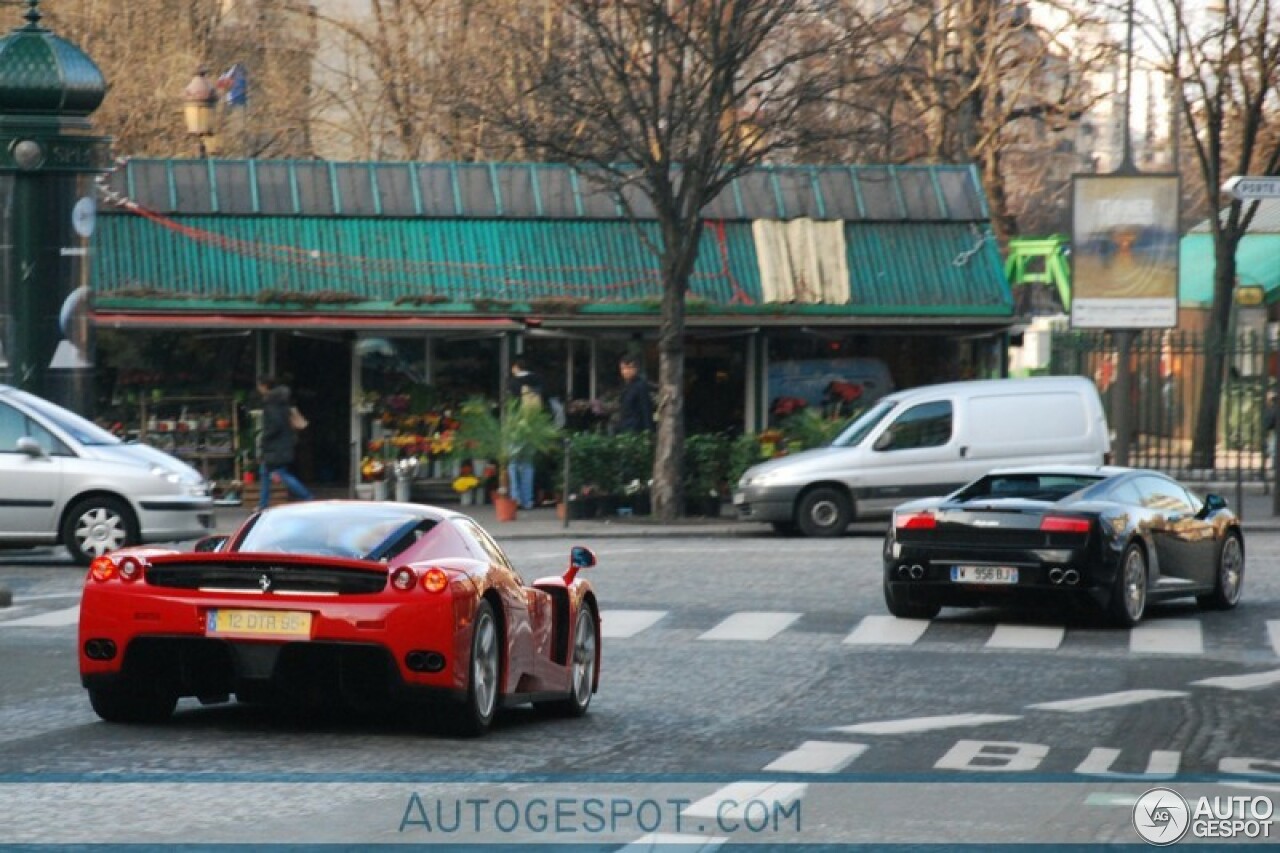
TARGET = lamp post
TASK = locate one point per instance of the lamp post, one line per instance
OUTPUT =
(201, 102)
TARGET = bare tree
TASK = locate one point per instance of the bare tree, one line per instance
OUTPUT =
(1225, 61)
(149, 49)
(669, 101)
(987, 82)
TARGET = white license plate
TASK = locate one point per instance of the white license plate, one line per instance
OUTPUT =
(739, 498)
(984, 574)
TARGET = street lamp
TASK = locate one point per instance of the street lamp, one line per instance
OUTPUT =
(201, 100)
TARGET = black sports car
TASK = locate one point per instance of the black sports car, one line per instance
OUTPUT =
(1113, 537)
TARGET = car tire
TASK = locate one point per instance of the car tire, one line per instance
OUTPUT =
(132, 703)
(903, 609)
(582, 668)
(98, 525)
(484, 674)
(1129, 592)
(823, 512)
(1229, 577)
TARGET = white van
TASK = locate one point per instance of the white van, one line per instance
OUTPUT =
(924, 442)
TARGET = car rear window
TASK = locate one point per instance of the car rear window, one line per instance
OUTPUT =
(1033, 487)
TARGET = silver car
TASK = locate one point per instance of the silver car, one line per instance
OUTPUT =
(65, 480)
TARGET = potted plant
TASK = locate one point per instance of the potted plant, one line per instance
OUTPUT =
(519, 430)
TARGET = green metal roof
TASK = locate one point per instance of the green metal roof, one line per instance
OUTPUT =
(1257, 263)
(517, 266)
(534, 191)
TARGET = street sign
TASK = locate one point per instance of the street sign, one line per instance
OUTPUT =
(1248, 187)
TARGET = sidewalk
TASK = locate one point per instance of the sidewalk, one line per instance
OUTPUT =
(541, 523)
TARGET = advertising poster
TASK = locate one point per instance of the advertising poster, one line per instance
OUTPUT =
(1124, 254)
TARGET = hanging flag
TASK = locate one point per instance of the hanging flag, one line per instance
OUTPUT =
(234, 84)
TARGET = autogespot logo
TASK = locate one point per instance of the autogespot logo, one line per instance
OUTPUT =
(1161, 816)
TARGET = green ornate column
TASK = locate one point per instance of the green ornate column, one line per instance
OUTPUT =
(49, 157)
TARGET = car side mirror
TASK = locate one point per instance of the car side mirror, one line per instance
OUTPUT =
(210, 543)
(1212, 504)
(580, 557)
(31, 447)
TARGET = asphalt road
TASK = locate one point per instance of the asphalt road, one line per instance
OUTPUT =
(754, 690)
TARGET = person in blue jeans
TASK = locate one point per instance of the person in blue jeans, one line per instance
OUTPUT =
(277, 443)
(525, 386)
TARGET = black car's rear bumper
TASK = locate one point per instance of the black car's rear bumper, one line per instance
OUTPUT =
(923, 575)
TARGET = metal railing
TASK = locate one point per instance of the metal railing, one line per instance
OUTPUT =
(1168, 388)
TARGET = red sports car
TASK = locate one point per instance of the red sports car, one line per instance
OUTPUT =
(374, 603)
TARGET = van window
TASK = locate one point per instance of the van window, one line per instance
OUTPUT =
(862, 425)
(15, 425)
(925, 425)
(1015, 417)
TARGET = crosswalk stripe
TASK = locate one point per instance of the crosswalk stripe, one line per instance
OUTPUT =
(1026, 637)
(1167, 637)
(51, 619)
(879, 630)
(627, 623)
(751, 625)
(1251, 681)
(1108, 700)
(817, 756)
(1273, 631)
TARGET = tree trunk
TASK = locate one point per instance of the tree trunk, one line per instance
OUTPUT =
(668, 454)
(1204, 441)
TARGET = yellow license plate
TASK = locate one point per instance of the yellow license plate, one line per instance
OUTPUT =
(258, 623)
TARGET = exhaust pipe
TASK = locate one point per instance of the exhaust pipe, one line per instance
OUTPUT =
(917, 572)
(1071, 576)
(1055, 575)
(421, 661)
(904, 571)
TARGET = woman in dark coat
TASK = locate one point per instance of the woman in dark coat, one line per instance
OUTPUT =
(277, 442)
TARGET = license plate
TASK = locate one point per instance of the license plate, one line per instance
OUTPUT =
(739, 498)
(272, 624)
(984, 574)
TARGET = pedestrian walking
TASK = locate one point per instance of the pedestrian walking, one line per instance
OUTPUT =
(525, 386)
(277, 442)
(635, 410)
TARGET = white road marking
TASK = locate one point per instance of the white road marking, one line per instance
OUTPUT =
(52, 619)
(925, 724)
(48, 597)
(660, 840)
(8, 612)
(1026, 637)
(1273, 631)
(887, 631)
(1104, 798)
(627, 623)
(1163, 763)
(1108, 700)
(751, 625)
(742, 794)
(1252, 681)
(1167, 637)
(817, 756)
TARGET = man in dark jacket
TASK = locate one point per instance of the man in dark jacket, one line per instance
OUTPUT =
(277, 442)
(635, 410)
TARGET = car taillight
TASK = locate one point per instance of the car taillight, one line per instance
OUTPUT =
(404, 579)
(1064, 524)
(434, 580)
(915, 521)
(102, 569)
(130, 569)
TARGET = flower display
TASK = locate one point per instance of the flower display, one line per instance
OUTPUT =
(373, 469)
(465, 483)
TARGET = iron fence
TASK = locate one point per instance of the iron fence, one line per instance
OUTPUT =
(1168, 387)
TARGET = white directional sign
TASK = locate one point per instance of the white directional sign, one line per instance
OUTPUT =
(1248, 187)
